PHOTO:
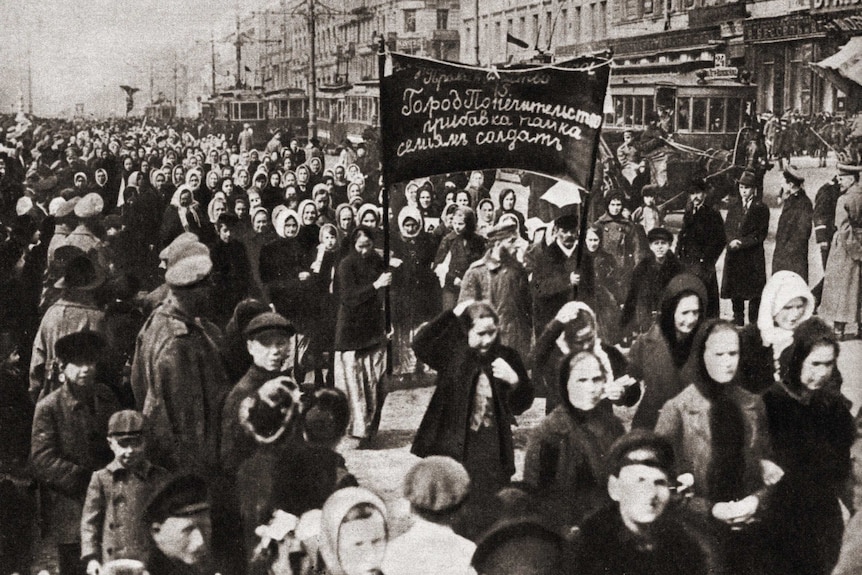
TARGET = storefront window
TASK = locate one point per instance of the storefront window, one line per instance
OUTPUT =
(698, 115)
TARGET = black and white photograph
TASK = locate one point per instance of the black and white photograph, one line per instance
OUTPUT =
(431, 287)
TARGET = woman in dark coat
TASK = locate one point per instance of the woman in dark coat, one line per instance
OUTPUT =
(598, 287)
(360, 332)
(565, 462)
(622, 239)
(745, 230)
(658, 356)
(184, 214)
(812, 431)
(461, 247)
(415, 290)
(481, 386)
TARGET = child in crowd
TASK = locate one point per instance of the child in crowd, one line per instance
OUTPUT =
(111, 525)
(649, 215)
(649, 279)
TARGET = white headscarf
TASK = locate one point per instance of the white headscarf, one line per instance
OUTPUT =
(781, 288)
(597, 349)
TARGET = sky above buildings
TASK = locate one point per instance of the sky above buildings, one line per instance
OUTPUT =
(82, 50)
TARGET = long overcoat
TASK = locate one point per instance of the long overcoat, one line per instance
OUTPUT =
(841, 280)
(745, 268)
(180, 382)
(791, 237)
(68, 444)
(442, 344)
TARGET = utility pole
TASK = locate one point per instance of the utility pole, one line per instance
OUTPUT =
(312, 75)
(152, 99)
(29, 80)
(212, 58)
(476, 34)
(238, 45)
(175, 81)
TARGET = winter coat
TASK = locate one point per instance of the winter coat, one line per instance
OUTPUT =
(465, 250)
(745, 268)
(599, 288)
(550, 282)
(841, 286)
(86, 241)
(649, 279)
(506, 287)
(824, 212)
(791, 237)
(605, 546)
(280, 263)
(442, 345)
(685, 422)
(112, 525)
(651, 359)
(360, 323)
(415, 289)
(626, 242)
(67, 315)
(179, 383)
(811, 442)
(237, 444)
(231, 276)
(68, 444)
(699, 245)
(565, 462)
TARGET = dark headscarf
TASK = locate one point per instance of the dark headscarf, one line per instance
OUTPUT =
(679, 287)
(725, 476)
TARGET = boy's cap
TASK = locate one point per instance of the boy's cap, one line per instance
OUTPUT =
(651, 190)
(192, 264)
(641, 447)
(268, 321)
(657, 234)
(436, 484)
(182, 496)
(125, 423)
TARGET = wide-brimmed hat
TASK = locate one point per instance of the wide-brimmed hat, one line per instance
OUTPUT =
(81, 274)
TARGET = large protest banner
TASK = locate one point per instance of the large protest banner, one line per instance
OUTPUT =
(438, 117)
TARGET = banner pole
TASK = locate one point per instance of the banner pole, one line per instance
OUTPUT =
(387, 304)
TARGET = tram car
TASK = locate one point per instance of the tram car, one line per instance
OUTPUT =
(160, 112)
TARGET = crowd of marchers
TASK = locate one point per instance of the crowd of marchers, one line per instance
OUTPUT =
(193, 332)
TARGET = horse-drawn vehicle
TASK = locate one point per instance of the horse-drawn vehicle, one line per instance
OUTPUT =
(712, 133)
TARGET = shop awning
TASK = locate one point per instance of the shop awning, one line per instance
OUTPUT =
(844, 68)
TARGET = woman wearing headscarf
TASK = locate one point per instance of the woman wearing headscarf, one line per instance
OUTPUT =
(127, 167)
(194, 182)
(415, 290)
(345, 222)
(657, 357)
(597, 285)
(183, 214)
(216, 207)
(241, 180)
(272, 193)
(369, 215)
(565, 461)
(339, 186)
(100, 186)
(309, 232)
(786, 302)
(261, 234)
(507, 206)
(315, 171)
(360, 333)
(485, 217)
(458, 250)
(481, 385)
(282, 264)
(211, 185)
(303, 187)
(720, 435)
(575, 328)
(812, 430)
(622, 239)
(354, 532)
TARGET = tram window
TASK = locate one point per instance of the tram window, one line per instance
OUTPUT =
(619, 115)
(734, 109)
(637, 112)
(716, 114)
(247, 111)
(698, 115)
(683, 114)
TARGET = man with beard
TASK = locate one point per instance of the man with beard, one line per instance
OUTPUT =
(640, 533)
(700, 242)
(501, 280)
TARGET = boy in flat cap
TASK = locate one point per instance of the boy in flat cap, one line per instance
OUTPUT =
(641, 533)
(111, 524)
(179, 523)
(69, 440)
(649, 279)
(270, 343)
(436, 488)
